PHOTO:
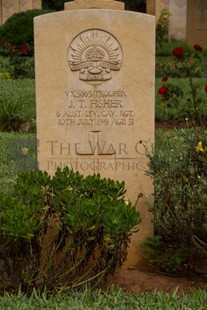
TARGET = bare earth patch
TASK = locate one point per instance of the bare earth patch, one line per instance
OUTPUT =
(135, 281)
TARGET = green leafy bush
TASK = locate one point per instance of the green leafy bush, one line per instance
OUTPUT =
(58, 5)
(135, 5)
(165, 256)
(16, 41)
(162, 27)
(15, 107)
(22, 67)
(10, 113)
(18, 30)
(63, 231)
(5, 68)
(179, 169)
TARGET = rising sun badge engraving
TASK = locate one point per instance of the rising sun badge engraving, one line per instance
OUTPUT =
(95, 54)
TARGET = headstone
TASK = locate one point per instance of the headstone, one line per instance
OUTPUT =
(150, 7)
(94, 4)
(6, 10)
(197, 23)
(177, 21)
(25, 5)
(37, 4)
(161, 5)
(95, 99)
(10, 7)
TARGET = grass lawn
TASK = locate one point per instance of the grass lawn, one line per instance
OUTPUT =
(116, 299)
(13, 158)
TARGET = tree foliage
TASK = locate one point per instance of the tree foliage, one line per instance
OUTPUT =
(57, 5)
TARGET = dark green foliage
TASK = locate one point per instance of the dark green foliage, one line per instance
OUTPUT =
(22, 67)
(179, 170)
(163, 256)
(63, 231)
(15, 108)
(162, 27)
(18, 30)
(57, 5)
(135, 5)
(11, 113)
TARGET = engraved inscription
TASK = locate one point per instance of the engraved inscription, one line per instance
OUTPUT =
(96, 108)
(95, 54)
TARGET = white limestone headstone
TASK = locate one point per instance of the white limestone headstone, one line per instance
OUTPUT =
(95, 99)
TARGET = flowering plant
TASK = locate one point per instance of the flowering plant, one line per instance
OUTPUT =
(9, 49)
(179, 170)
(162, 27)
(186, 64)
(200, 148)
(178, 52)
(169, 93)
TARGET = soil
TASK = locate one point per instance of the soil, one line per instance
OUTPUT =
(171, 124)
(136, 281)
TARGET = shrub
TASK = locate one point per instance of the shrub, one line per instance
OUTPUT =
(22, 67)
(162, 27)
(135, 5)
(63, 231)
(56, 5)
(5, 68)
(16, 106)
(18, 30)
(179, 170)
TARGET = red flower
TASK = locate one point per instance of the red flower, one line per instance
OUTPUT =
(197, 47)
(163, 90)
(178, 52)
(24, 50)
(206, 89)
(164, 79)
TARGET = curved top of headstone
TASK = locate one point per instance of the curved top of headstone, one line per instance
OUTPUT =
(94, 4)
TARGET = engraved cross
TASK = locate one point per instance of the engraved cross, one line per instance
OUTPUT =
(96, 147)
